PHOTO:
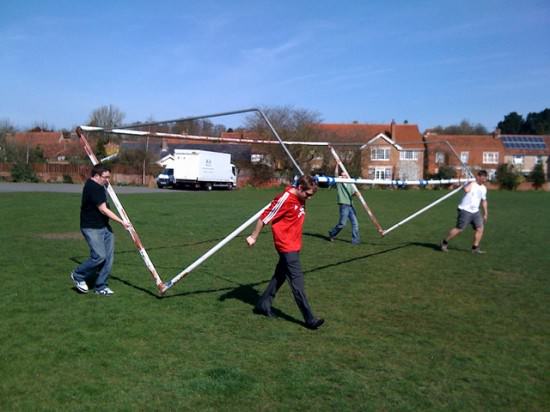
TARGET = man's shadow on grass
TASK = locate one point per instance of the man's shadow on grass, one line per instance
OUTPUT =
(356, 258)
(248, 294)
(336, 239)
(79, 259)
(433, 246)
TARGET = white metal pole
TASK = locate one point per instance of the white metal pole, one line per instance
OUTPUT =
(332, 180)
(422, 210)
(141, 133)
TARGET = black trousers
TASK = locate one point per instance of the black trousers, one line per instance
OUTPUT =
(288, 268)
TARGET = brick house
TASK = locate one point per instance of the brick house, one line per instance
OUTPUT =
(525, 151)
(475, 151)
(388, 151)
(56, 147)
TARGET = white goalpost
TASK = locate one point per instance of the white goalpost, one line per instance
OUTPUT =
(161, 286)
(164, 286)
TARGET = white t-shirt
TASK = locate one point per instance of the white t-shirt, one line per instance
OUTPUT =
(471, 200)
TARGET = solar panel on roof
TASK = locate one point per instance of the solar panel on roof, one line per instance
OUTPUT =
(524, 142)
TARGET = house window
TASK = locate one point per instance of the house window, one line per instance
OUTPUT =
(540, 159)
(382, 173)
(256, 158)
(464, 157)
(382, 153)
(490, 157)
(439, 158)
(408, 155)
(518, 160)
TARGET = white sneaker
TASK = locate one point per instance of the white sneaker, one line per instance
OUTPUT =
(104, 292)
(81, 286)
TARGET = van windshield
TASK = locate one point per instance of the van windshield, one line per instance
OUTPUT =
(169, 172)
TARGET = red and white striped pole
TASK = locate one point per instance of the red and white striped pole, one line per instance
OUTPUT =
(124, 216)
(359, 195)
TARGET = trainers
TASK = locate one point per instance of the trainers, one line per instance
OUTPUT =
(478, 251)
(315, 324)
(260, 311)
(444, 246)
(80, 285)
(330, 238)
(104, 292)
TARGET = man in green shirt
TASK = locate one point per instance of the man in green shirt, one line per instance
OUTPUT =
(346, 191)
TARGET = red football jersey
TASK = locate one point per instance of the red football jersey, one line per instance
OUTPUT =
(286, 213)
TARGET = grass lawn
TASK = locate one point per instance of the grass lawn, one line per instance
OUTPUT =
(407, 326)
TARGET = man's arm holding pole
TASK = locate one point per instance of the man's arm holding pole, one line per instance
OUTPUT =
(251, 240)
(112, 215)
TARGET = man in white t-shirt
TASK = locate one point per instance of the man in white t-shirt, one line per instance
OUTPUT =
(468, 212)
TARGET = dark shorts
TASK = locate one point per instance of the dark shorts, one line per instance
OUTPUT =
(465, 218)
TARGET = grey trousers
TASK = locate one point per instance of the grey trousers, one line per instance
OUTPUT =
(288, 268)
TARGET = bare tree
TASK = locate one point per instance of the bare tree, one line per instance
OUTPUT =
(290, 124)
(106, 116)
(41, 126)
(5, 128)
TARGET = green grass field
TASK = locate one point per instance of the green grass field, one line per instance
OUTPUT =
(407, 326)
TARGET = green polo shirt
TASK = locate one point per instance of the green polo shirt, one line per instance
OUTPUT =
(345, 193)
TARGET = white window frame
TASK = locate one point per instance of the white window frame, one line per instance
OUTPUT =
(408, 155)
(439, 158)
(518, 159)
(490, 158)
(257, 158)
(465, 157)
(382, 173)
(380, 153)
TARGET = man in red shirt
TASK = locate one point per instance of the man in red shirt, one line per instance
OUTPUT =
(286, 213)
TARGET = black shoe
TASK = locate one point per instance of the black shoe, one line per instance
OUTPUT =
(259, 311)
(316, 324)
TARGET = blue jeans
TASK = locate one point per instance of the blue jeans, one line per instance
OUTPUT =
(347, 212)
(102, 252)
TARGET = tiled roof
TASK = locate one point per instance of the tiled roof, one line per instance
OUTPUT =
(240, 135)
(479, 142)
(53, 144)
(405, 134)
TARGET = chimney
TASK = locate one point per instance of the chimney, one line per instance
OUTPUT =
(496, 133)
(392, 129)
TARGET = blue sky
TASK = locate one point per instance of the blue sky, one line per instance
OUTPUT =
(428, 62)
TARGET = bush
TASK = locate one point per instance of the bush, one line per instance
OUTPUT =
(67, 179)
(537, 176)
(261, 173)
(444, 172)
(507, 177)
(23, 172)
